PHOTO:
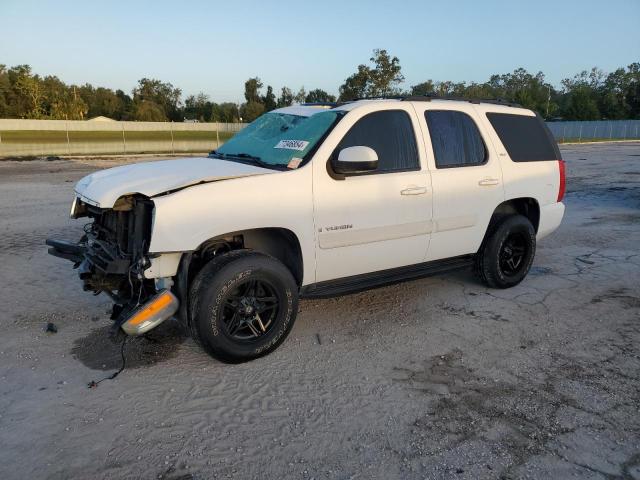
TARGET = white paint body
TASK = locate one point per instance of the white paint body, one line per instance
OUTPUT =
(347, 227)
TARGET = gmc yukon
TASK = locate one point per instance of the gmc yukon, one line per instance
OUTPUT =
(312, 201)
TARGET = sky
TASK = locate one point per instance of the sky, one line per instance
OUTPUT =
(213, 47)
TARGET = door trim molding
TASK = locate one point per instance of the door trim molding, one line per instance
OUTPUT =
(455, 223)
(329, 238)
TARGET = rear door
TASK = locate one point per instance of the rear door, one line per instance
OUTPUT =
(465, 174)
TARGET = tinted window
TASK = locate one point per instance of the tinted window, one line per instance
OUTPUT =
(526, 139)
(455, 138)
(390, 134)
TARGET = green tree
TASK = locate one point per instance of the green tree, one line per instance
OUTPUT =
(254, 106)
(618, 93)
(148, 111)
(29, 92)
(252, 90)
(473, 90)
(580, 104)
(286, 97)
(250, 111)
(198, 107)
(157, 97)
(449, 88)
(381, 80)
(5, 89)
(61, 101)
(102, 102)
(356, 85)
(530, 91)
(581, 95)
(633, 99)
(125, 106)
(225, 113)
(386, 76)
(612, 96)
(319, 96)
(269, 100)
(300, 96)
(632, 91)
(424, 88)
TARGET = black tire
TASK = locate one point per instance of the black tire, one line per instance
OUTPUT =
(229, 296)
(507, 252)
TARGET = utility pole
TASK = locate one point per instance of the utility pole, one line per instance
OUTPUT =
(548, 98)
(173, 150)
(66, 127)
(124, 140)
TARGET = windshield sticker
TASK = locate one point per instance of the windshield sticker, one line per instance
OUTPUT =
(292, 144)
(295, 162)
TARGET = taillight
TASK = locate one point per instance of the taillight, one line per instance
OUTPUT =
(563, 180)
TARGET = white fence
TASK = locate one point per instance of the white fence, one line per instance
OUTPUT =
(597, 129)
(75, 137)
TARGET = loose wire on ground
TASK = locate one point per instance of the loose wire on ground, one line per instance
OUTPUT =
(94, 384)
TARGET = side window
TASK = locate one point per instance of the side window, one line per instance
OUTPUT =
(455, 138)
(527, 139)
(390, 134)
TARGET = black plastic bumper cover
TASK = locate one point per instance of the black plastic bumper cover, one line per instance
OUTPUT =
(67, 250)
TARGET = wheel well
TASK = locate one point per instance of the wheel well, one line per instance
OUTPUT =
(280, 243)
(524, 206)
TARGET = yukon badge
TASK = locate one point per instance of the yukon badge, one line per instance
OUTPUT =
(335, 227)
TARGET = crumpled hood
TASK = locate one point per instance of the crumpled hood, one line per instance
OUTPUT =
(103, 188)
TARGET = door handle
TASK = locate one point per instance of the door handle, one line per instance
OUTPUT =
(487, 182)
(413, 191)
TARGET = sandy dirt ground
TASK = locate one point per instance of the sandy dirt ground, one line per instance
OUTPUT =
(436, 378)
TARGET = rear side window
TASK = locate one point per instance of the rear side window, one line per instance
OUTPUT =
(455, 138)
(391, 135)
(526, 138)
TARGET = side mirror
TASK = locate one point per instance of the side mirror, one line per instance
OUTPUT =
(358, 159)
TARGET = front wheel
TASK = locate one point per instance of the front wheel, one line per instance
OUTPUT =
(242, 305)
(507, 252)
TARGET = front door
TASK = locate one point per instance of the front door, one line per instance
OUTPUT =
(378, 220)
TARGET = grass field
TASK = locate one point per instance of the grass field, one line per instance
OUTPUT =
(57, 136)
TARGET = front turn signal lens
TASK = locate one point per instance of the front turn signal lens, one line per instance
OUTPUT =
(152, 313)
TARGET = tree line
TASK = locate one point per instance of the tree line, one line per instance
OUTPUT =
(589, 95)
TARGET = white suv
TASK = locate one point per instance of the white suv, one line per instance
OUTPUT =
(317, 200)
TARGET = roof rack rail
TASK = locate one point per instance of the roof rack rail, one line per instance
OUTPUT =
(429, 97)
(319, 104)
(382, 97)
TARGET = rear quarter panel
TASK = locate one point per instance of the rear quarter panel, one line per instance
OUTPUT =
(538, 180)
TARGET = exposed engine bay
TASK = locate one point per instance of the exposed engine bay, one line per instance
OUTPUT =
(112, 254)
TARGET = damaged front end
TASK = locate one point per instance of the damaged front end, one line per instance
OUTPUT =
(111, 257)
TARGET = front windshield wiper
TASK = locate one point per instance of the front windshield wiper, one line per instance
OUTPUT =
(245, 156)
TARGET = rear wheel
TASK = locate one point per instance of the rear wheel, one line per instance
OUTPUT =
(507, 252)
(243, 305)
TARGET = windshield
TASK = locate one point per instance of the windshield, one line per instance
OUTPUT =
(278, 139)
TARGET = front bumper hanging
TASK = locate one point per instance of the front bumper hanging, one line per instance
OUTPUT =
(94, 268)
(67, 250)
